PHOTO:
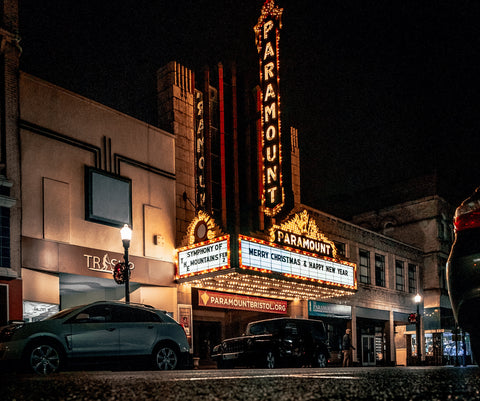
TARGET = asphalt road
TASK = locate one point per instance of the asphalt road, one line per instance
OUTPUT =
(411, 383)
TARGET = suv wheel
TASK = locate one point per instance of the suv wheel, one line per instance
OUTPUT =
(321, 360)
(270, 362)
(165, 357)
(44, 358)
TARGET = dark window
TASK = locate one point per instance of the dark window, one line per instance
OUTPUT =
(258, 328)
(123, 314)
(272, 327)
(380, 270)
(340, 248)
(267, 327)
(399, 275)
(364, 266)
(412, 278)
(94, 314)
(126, 314)
(318, 331)
(146, 316)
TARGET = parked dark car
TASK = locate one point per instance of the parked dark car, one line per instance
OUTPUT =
(276, 342)
(463, 270)
(99, 331)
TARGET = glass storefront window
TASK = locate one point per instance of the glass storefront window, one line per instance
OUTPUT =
(449, 346)
(414, 345)
(455, 349)
(428, 344)
(456, 346)
(36, 311)
(380, 344)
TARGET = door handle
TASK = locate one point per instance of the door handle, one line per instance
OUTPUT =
(111, 329)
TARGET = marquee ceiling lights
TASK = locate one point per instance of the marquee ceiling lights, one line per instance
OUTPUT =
(267, 287)
(268, 258)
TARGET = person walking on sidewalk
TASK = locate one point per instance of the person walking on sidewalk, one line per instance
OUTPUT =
(347, 348)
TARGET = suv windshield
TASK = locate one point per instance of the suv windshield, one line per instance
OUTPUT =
(62, 313)
(262, 328)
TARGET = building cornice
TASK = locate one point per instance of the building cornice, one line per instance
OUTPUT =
(361, 229)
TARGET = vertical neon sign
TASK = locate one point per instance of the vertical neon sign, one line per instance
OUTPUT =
(199, 152)
(267, 34)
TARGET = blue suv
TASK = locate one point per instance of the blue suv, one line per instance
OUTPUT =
(98, 331)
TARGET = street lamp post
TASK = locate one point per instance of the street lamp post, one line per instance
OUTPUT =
(418, 299)
(126, 234)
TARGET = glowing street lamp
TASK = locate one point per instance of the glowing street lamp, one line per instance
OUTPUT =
(418, 299)
(126, 234)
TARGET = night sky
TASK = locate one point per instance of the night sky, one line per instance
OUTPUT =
(379, 90)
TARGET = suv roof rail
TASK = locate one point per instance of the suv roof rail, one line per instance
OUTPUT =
(125, 303)
(139, 304)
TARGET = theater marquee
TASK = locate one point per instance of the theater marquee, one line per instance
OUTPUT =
(298, 262)
(268, 258)
(205, 257)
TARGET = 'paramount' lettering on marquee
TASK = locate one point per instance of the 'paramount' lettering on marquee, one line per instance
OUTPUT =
(259, 255)
(267, 37)
(301, 242)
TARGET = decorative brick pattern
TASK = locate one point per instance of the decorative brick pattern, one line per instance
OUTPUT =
(175, 114)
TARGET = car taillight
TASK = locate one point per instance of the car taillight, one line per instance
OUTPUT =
(467, 214)
(467, 220)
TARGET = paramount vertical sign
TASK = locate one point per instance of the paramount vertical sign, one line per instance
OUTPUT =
(199, 151)
(267, 34)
